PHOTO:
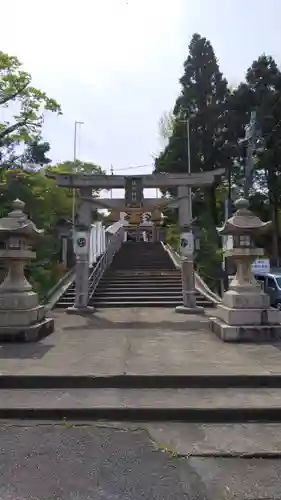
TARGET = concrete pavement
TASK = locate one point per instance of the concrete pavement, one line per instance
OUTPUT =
(136, 341)
(148, 460)
(107, 462)
(71, 463)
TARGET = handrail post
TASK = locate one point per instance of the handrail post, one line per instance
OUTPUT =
(114, 244)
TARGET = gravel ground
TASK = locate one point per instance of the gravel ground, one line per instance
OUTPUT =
(64, 462)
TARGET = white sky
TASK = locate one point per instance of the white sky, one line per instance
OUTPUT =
(115, 64)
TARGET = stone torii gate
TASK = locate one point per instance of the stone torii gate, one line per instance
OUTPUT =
(134, 186)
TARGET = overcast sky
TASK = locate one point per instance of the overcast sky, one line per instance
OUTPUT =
(115, 64)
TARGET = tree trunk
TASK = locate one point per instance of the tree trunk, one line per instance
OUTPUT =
(210, 194)
(275, 233)
(273, 203)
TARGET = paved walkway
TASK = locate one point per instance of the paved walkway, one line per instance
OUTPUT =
(82, 463)
(141, 398)
(136, 341)
(99, 462)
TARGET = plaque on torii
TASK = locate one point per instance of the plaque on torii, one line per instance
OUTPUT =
(133, 192)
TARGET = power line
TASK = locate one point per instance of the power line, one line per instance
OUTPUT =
(133, 167)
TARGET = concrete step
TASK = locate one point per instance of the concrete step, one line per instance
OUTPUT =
(104, 303)
(146, 261)
(147, 269)
(141, 281)
(142, 278)
(130, 381)
(197, 405)
(142, 284)
(150, 276)
(112, 296)
(139, 287)
(139, 295)
(136, 297)
(152, 287)
(141, 272)
(125, 301)
(64, 305)
(69, 297)
(161, 272)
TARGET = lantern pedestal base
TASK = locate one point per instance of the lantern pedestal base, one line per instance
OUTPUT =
(22, 317)
(244, 317)
(29, 333)
(252, 298)
(26, 324)
(245, 333)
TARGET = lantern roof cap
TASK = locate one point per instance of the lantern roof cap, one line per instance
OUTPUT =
(244, 221)
(18, 222)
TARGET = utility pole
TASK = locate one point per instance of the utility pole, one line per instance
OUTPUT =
(251, 143)
(76, 123)
(112, 172)
(189, 162)
(251, 140)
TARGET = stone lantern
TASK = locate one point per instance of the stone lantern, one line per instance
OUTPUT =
(245, 313)
(21, 316)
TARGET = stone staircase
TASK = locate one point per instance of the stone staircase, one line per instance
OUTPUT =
(142, 275)
(67, 299)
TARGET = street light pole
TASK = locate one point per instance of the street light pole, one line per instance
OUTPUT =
(76, 123)
(251, 140)
(112, 173)
(189, 162)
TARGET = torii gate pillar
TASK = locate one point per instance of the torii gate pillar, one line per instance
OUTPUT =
(189, 305)
(82, 230)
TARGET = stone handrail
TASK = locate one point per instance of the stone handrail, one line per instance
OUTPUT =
(58, 290)
(114, 228)
(113, 246)
(115, 236)
(200, 284)
(97, 242)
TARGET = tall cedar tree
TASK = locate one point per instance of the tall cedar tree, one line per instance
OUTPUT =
(203, 100)
(264, 80)
(262, 92)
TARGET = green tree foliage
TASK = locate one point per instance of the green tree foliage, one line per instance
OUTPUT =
(260, 92)
(217, 116)
(46, 204)
(23, 107)
(24, 157)
(263, 91)
(166, 125)
(77, 167)
(202, 101)
(35, 154)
